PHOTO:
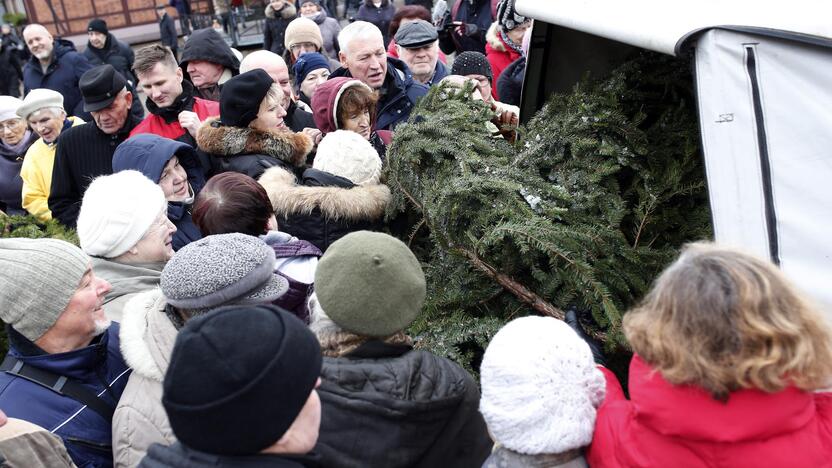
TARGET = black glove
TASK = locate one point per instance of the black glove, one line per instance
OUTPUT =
(571, 319)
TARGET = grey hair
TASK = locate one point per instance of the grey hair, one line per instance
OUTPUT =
(54, 110)
(358, 30)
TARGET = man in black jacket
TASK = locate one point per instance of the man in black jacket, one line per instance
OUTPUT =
(167, 29)
(103, 47)
(86, 151)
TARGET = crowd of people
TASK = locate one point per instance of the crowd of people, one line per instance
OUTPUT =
(235, 300)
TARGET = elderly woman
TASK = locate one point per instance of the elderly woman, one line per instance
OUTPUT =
(234, 202)
(172, 165)
(732, 367)
(123, 226)
(302, 37)
(329, 27)
(15, 140)
(311, 70)
(44, 110)
(250, 135)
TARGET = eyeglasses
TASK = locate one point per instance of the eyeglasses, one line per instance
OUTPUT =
(10, 125)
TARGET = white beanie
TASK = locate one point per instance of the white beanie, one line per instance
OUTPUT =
(38, 99)
(349, 155)
(8, 107)
(116, 212)
(540, 387)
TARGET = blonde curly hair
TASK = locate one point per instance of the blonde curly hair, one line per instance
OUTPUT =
(724, 320)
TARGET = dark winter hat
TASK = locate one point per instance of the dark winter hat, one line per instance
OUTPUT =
(220, 270)
(307, 63)
(370, 284)
(472, 63)
(100, 86)
(240, 97)
(238, 377)
(507, 15)
(97, 25)
(415, 34)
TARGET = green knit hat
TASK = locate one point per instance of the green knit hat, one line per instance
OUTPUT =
(40, 277)
(370, 284)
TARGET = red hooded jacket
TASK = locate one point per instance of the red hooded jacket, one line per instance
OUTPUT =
(156, 124)
(664, 425)
(324, 103)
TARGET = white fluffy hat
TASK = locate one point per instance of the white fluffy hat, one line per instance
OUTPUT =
(540, 387)
(38, 99)
(116, 212)
(349, 155)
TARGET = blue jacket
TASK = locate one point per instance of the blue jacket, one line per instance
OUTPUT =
(86, 434)
(149, 153)
(400, 96)
(62, 76)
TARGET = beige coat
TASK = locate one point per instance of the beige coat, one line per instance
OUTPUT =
(25, 444)
(147, 337)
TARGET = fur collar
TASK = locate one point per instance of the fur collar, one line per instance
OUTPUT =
(493, 38)
(147, 335)
(357, 203)
(288, 11)
(224, 141)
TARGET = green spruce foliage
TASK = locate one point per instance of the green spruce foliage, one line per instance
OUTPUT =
(598, 193)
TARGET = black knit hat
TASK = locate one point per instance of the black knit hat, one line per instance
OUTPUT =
(472, 63)
(97, 25)
(238, 377)
(240, 97)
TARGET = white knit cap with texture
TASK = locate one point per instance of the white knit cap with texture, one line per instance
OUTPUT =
(540, 387)
(349, 155)
(116, 212)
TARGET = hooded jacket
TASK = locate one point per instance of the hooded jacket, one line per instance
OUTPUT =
(499, 55)
(126, 280)
(99, 367)
(149, 154)
(250, 151)
(669, 425)
(116, 53)
(11, 184)
(388, 405)
(325, 207)
(180, 456)
(398, 95)
(329, 33)
(36, 173)
(276, 23)
(147, 337)
(208, 45)
(61, 75)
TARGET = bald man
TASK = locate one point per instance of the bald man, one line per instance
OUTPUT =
(296, 118)
(54, 65)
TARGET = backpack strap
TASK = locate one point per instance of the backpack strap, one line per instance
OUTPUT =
(62, 385)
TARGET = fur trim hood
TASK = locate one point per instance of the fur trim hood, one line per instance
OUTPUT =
(357, 203)
(493, 38)
(287, 12)
(224, 141)
(147, 335)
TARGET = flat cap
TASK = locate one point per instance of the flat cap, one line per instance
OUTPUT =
(100, 86)
(417, 33)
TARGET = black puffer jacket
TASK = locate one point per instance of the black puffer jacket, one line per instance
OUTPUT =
(275, 30)
(387, 405)
(325, 207)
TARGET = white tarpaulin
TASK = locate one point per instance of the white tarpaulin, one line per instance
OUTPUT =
(765, 107)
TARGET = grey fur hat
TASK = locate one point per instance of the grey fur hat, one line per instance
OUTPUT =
(220, 270)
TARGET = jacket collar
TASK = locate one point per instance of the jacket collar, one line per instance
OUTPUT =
(80, 363)
(183, 102)
(690, 412)
(147, 335)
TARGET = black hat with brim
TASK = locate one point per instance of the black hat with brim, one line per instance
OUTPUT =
(100, 86)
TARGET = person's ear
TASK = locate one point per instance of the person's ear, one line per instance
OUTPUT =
(179, 75)
(342, 57)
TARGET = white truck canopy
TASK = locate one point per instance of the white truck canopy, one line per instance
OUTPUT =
(762, 73)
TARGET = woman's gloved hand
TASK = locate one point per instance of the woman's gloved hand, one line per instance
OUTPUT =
(596, 347)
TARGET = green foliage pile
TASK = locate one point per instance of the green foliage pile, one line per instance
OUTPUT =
(30, 227)
(596, 196)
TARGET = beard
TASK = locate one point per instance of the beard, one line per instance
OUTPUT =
(101, 326)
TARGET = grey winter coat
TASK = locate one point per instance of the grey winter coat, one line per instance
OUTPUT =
(329, 31)
(126, 281)
(147, 338)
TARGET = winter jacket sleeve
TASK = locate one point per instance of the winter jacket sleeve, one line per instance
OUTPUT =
(64, 196)
(133, 433)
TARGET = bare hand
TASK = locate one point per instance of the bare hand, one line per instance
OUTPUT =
(190, 122)
(314, 134)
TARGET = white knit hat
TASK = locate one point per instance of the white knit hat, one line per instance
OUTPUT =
(8, 107)
(540, 387)
(38, 99)
(116, 212)
(349, 155)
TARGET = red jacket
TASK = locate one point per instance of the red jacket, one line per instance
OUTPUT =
(499, 55)
(156, 124)
(663, 425)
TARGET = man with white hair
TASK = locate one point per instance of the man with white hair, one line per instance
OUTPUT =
(296, 118)
(364, 57)
(43, 110)
(54, 65)
(64, 370)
